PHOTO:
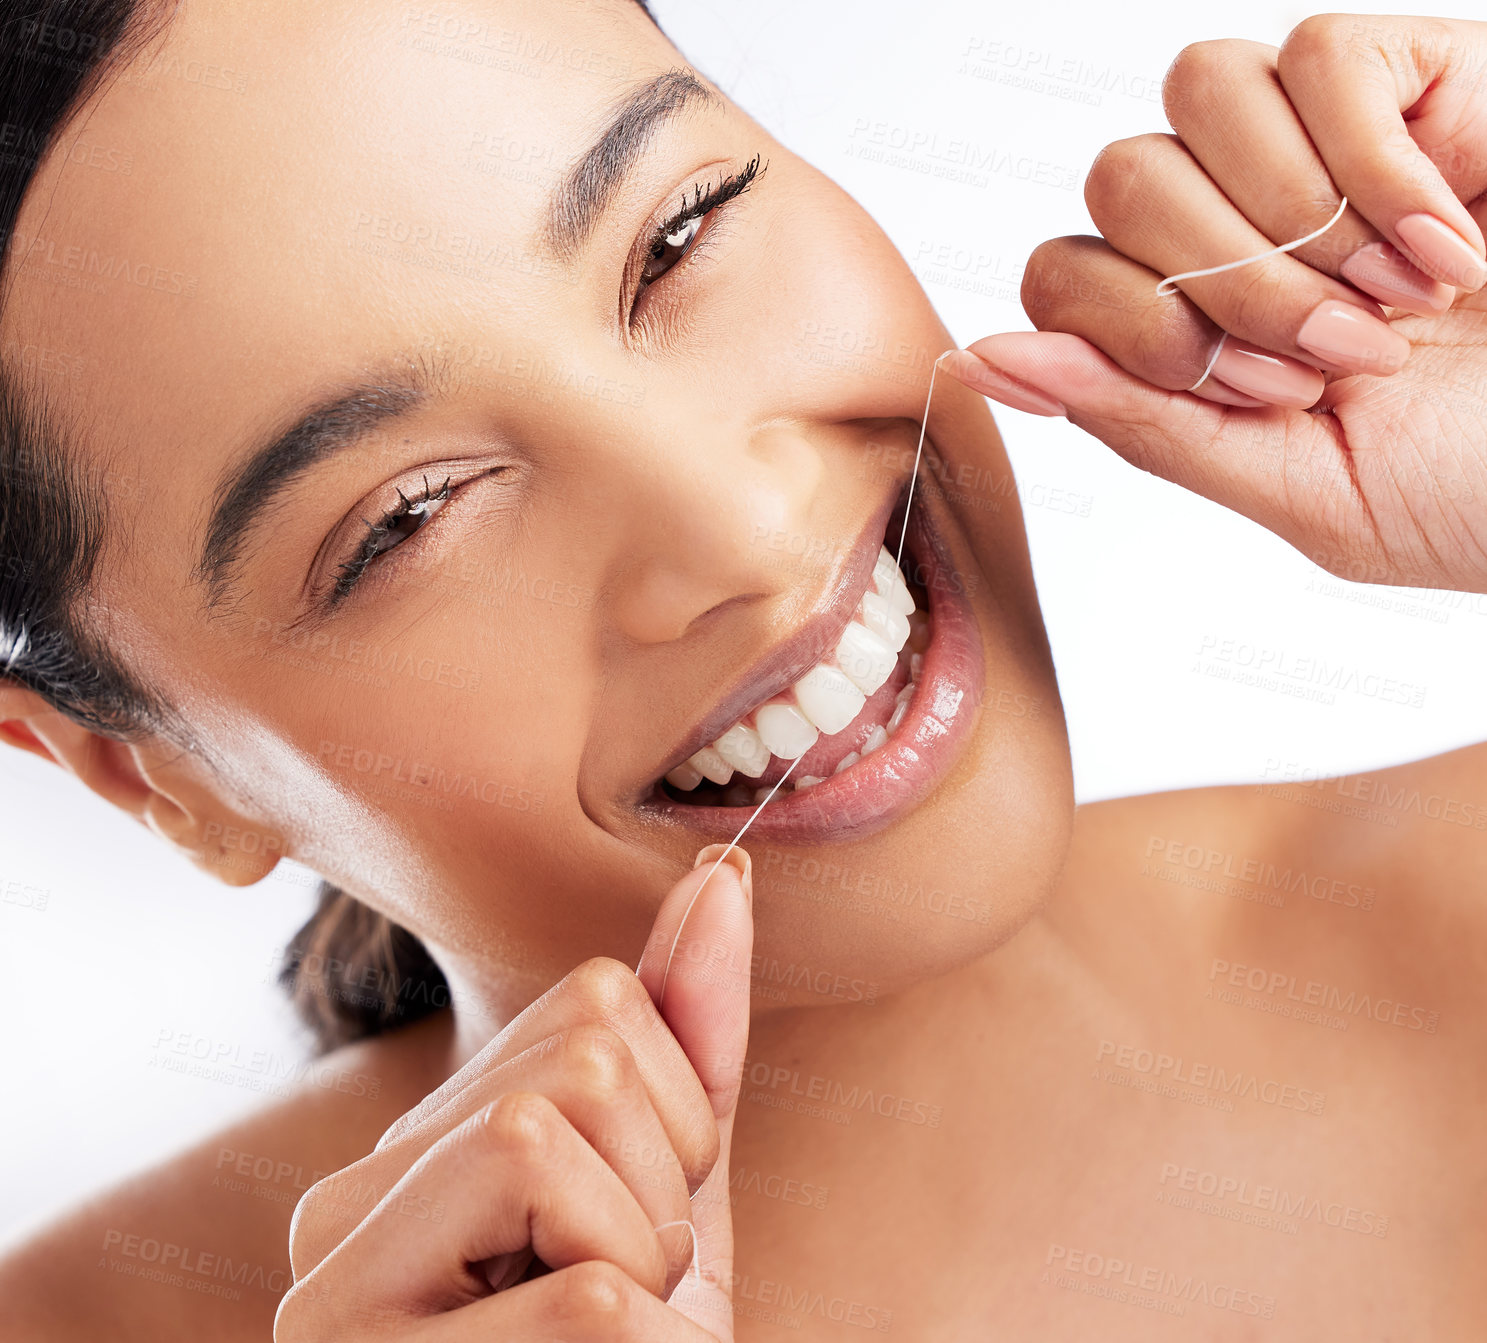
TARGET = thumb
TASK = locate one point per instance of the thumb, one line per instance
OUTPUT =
(696, 967)
(1285, 469)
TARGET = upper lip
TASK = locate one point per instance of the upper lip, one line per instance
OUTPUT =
(817, 638)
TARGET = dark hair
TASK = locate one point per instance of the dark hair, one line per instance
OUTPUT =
(350, 971)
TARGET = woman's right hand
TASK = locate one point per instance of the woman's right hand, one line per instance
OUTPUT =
(521, 1199)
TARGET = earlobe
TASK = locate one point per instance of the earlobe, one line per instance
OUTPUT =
(144, 781)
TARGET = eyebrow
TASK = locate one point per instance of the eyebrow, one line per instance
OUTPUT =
(344, 419)
(248, 492)
(586, 191)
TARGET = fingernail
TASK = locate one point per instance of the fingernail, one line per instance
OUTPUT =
(1443, 250)
(737, 858)
(1382, 270)
(990, 381)
(1338, 333)
(1275, 378)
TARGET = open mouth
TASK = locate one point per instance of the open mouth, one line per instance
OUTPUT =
(842, 710)
(874, 720)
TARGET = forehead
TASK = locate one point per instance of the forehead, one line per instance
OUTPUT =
(276, 190)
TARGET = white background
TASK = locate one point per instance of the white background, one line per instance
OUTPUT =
(134, 945)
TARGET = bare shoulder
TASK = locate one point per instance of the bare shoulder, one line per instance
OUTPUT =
(1380, 875)
(197, 1246)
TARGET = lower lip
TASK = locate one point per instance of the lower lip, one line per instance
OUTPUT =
(882, 787)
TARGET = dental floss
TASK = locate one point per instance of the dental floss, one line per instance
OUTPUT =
(1170, 286)
(1245, 261)
(686, 1222)
(661, 997)
(908, 504)
(1171, 281)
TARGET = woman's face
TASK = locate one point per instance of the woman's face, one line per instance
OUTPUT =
(302, 260)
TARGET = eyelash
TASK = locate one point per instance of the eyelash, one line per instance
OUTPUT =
(729, 188)
(351, 571)
(702, 205)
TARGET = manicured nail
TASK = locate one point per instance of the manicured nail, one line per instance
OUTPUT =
(1274, 378)
(737, 858)
(990, 381)
(1382, 270)
(1443, 250)
(1338, 333)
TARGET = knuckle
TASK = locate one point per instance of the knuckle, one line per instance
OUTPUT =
(599, 1294)
(1254, 306)
(1057, 273)
(1117, 172)
(299, 1319)
(1320, 39)
(1196, 67)
(610, 988)
(314, 1226)
(599, 1059)
(522, 1125)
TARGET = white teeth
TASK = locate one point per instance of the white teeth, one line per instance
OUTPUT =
(711, 765)
(828, 698)
(916, 665)
(897, 716)
(808, 781)
(685, 777)
(759, 795)
(785, 731)
(865, 658)
(743, 748)
(890, 625)
(900, 598)
(885, 570)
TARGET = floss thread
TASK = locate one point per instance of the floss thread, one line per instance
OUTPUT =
(1164, 287)
(903, 532)
(1170, 285)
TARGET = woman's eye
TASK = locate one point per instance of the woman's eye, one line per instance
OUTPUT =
(396, 526)
(399, 527)
(668, 249)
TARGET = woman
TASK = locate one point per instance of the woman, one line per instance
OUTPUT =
(931, 1052)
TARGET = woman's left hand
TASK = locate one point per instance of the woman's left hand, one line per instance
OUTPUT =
(1368, 447)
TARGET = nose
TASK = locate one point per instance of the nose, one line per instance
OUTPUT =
(697, 523)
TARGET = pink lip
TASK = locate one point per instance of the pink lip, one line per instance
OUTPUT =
(789, 661)
(882, 787)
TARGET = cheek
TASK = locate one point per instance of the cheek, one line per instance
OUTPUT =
(826, 319)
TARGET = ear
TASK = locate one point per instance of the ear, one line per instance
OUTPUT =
(163, 788)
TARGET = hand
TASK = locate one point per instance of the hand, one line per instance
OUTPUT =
(1384, 478)
(522, 1198)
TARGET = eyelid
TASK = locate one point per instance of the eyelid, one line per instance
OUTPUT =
(705, 181)
(342, 548)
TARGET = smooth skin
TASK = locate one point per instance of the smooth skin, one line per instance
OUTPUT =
(971, 1146)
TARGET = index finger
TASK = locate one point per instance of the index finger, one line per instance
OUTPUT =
(604, 990)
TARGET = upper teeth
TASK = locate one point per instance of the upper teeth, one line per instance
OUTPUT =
(826, 699)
